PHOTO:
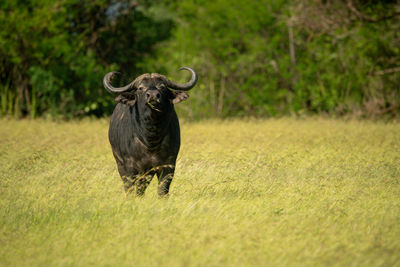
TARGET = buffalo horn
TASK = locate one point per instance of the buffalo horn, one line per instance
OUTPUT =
(107, 84)
(186, 86)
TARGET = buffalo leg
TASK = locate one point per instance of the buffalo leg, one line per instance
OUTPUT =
(128, 183)
(127, 178)
(165, 177)
(142, 181)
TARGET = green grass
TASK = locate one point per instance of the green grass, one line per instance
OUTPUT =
(246, 193)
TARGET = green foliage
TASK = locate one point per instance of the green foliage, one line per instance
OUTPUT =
(242, 51)
(254, 58)
(279, 192)
(227, 44)
(54, 54)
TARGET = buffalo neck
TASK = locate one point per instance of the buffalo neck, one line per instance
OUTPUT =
(152, 125)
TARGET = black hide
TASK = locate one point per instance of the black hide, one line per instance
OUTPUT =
(145, 137)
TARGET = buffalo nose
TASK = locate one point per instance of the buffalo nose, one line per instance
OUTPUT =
(153, 95)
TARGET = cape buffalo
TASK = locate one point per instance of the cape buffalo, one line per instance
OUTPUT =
(144, 129)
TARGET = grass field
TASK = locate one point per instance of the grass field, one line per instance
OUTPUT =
(246, 193)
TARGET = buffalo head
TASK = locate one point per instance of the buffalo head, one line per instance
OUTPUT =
(151, 90)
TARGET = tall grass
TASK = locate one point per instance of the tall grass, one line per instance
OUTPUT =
(246, 193)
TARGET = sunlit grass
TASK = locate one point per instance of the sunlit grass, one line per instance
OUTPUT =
(245, 193)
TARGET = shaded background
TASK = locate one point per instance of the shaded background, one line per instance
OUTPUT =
(254, 58)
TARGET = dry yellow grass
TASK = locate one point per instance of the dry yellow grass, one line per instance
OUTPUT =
(245, 193)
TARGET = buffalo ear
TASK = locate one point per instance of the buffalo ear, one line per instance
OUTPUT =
(178, 96)
(127, 98)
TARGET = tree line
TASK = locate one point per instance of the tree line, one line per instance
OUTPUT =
(254, 58)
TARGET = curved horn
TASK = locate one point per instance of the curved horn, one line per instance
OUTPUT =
(107, 84)
(186, 86)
